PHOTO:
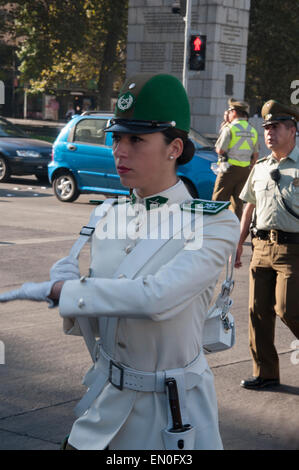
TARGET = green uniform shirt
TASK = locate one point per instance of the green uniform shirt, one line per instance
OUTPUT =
(262, 191)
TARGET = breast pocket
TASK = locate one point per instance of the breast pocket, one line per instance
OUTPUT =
(295, 197)
(290, 193)
(260, 186)
(295, 190)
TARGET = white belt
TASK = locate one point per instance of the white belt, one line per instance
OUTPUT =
(106, 369)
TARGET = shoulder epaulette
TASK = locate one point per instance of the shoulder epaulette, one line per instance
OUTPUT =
(261, 160)
(205, 206)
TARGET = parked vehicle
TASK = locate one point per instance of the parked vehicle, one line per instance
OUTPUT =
(21, 155)
(83, 161)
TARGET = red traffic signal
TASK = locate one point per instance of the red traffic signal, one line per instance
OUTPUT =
(197, 43)
(197, 53)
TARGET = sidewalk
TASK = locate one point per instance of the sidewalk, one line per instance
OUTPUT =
(36, 122)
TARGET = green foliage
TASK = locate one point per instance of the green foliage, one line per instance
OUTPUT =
(272, 56)
(74, 41)
(6, 47)
(83, 42)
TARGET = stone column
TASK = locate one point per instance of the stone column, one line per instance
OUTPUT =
(156, 44)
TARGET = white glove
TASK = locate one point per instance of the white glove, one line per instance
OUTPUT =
(30, 290)
(63, 270)
(66, 269)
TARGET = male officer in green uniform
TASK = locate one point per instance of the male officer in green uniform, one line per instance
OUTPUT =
(272, 189)
(238, 146)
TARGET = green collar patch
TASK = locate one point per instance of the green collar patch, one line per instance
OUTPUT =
(205, 206)
(150, 202)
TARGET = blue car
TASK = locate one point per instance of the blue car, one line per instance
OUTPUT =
(83, 161)
(20, 155)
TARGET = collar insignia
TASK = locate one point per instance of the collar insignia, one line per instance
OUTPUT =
(150, 202)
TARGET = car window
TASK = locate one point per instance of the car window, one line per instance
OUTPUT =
(9, 130)
(90, 131)
(200, 141)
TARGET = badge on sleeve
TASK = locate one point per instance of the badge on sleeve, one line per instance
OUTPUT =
(295, 182)
(205, 206)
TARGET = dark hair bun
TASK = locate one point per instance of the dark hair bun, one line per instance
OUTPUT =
(187, 154)
(188, 150)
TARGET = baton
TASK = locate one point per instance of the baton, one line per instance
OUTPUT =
(174, 404)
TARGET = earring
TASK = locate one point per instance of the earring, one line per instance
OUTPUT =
(171, 157)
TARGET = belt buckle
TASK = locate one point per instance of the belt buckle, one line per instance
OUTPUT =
(112, 364)
(274, 236)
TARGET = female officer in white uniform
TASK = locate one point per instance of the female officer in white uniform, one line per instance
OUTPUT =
(148, 312)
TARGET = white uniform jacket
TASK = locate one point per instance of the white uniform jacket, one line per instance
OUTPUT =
(161, 313)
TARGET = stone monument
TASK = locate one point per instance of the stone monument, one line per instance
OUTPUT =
(156, 44)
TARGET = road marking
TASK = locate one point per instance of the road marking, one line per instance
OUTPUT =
(33, 241)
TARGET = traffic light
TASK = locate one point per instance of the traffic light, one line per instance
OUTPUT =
(197, 56)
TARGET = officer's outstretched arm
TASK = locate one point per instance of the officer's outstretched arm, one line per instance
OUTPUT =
(65, 269)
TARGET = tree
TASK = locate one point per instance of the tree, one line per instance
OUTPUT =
(272, 56)
(112, 60)
(74, 41)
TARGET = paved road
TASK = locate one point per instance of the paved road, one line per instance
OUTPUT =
(40, 381)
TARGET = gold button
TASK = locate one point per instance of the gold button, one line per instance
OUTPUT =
(128, 249)
(81, 303)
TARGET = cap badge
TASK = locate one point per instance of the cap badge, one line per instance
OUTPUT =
(125, 101)
(268, 116)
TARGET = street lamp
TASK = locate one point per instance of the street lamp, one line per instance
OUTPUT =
(183, 8)
(187, 20)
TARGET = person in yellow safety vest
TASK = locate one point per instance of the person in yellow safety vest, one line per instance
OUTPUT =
(237, 147)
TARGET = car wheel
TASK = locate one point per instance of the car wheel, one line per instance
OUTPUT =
(65, 187)
(4, 170)
(190, 187)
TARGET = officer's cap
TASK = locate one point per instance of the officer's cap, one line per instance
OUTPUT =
(238, 105)
(274, 112)
(151, 103)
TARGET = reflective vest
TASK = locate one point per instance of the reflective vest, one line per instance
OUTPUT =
(243, 140)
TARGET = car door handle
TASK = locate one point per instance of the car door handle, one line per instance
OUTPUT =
(71, 147)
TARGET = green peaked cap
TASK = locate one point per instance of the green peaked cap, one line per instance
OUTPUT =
(147, 97)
